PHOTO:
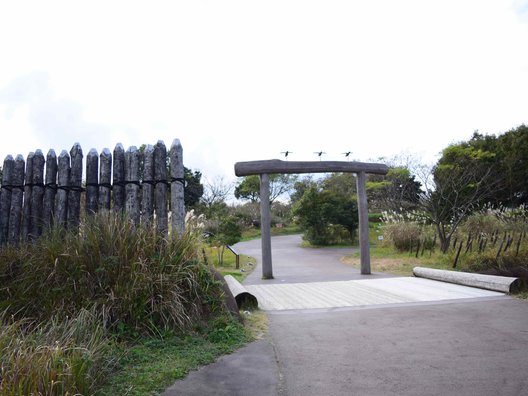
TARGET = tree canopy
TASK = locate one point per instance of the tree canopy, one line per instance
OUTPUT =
(481, 171)
(193, 187)
(499, 163)
(249, 187)
(398, 190)
(325, 213)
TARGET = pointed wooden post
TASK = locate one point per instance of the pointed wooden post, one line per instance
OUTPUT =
(147, 197)
(17, 196)
(363, 223)
(5, 197)
(105, 179)
(75, 186)
(61, 211)
(160, 193)
(92, 182)
(132, 184)
(177, 187)
(28, 180)
(37, 195)
(50, 189)
(118, 192)
(265, 225)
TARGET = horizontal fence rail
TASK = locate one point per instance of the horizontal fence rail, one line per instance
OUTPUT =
(41, 191)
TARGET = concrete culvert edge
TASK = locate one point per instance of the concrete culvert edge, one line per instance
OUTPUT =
(244, 299)
(504, 284)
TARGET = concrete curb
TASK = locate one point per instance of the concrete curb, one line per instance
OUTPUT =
(504, 284)
(243, 297)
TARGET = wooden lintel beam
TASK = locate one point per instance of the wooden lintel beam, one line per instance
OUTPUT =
(278, 166)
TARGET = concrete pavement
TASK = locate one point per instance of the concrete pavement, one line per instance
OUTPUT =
(469, 346)
(293, 264)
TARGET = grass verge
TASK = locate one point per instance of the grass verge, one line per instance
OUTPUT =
(388, 260)
(152, 365)
(228, 266)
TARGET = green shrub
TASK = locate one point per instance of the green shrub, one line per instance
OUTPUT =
(326, 217)
(332, 234)
(508, 264)
(142, 281)
(403, 235)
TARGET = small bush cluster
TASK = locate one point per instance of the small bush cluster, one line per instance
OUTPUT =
(332, 234)
(406, 231)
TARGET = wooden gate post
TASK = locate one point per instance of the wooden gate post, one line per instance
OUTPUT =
(363, 224)
(265, 224)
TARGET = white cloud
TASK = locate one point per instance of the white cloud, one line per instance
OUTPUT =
(242, 80)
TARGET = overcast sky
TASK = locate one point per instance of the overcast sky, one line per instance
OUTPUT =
(246, 80)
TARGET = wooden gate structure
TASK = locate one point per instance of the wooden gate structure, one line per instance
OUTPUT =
(266, 167)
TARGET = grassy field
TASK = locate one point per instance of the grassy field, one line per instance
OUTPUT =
(228, 266)
(385, 258)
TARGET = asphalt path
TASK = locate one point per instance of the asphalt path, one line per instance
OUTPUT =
(295, 264)
(460, 347)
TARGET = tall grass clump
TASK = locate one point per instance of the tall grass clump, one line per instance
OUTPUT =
(142, 280)
(58, 357)
(406, 231)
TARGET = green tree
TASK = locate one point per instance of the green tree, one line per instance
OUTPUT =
(194, 189)
(228, 233)
(300, 187)
(512, 156)
(340, 183)
(325, 214)
(461, 181)
(503, 159)
(249, 187)
(397, 191)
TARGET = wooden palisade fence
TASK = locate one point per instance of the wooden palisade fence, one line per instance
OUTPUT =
(39, 192)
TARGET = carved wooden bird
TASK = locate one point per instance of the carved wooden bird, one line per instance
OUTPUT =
(319, 153)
